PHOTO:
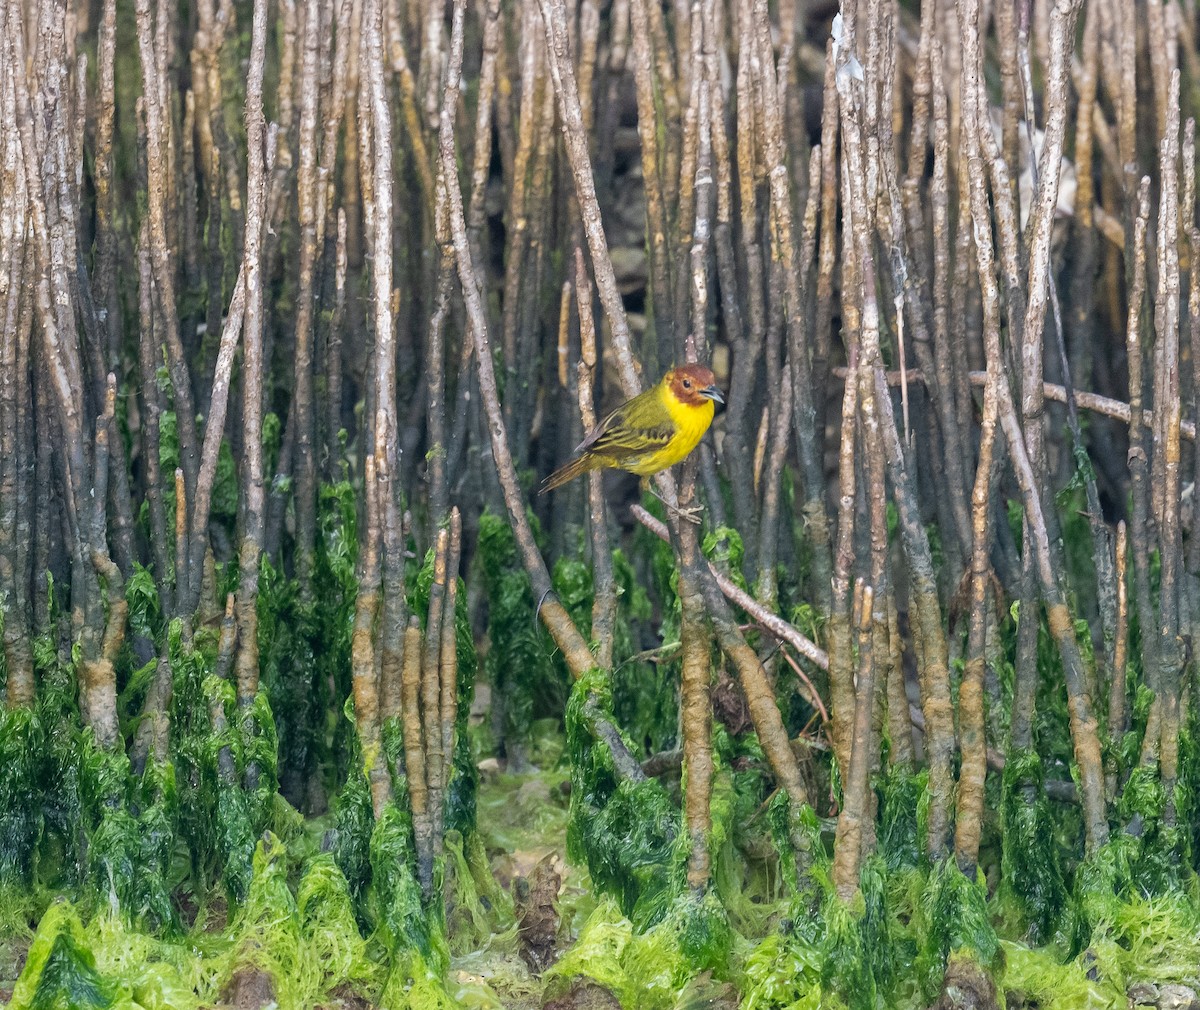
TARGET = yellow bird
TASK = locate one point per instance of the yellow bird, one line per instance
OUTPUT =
(651, 432)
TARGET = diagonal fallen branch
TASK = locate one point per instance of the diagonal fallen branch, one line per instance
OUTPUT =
(772, 622)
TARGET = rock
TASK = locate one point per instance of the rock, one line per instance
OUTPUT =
(704, 993)
(249, 989)
(536, 899)
(966, 986)
(1177, 997)
(1143, 994)
(345, 998)
(531, 796)
(584, 994)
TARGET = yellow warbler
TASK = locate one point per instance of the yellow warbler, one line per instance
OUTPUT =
(651, 432)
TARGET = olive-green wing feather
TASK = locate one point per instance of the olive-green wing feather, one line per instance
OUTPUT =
(617, 438)
(614, 441)
(623, 443)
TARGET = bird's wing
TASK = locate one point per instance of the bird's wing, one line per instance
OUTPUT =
(617, 438)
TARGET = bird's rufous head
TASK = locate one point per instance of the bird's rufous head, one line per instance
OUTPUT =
(693, 384)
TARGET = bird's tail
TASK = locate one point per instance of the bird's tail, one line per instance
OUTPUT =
(568, 473)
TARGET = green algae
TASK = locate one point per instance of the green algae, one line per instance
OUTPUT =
(1032, 884)
(780, 974)
(326, 914)
(830, 953)
(624, 830)
(402, 921)
(520, 662)
(649, 969)
(308, 944)
(289, 637)
(21, 820)
(1036, 975)
(903, 816)
(479, 913)
(60, 970)
(645, 694)
(954, 922)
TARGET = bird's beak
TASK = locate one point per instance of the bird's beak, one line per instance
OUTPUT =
(712, 393)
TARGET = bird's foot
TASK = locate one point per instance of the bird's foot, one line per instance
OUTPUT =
(690, 513)
(686, 513)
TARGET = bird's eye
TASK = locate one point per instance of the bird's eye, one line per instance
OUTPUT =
(687, 383)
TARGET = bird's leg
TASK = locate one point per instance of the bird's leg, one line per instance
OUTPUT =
(690, 513)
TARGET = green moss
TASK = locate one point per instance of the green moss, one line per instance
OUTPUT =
(520, 662)
(328, 925)
(954, 922)
(402, 921)
(624, 830)
(60, 971)
(901, 831)
(1031, 883)
(20, 808)
(650, 969)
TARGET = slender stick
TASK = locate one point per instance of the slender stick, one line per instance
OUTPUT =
(1118, 718)
(1094, 402)
(847, 849)
(696, 723)
(252, 367)
(773, 623)
(972, 735)
(427, 826)
(785, 250)
(1169, 402)
(554, 15)
(1139, 460)
(449, 663)
(214, 431)
(604, 590)
(362, 650)
(302, 417)
(841, 660)
(414, 751)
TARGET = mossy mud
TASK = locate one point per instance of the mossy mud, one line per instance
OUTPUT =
(561, 880)
(568, 891)
(300, 941)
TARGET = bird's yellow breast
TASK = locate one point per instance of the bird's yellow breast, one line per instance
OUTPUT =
(690, 421)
